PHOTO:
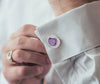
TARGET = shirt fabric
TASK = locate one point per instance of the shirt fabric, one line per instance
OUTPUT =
(76, 60)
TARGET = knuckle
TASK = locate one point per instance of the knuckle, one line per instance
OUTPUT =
(26, 25)
(25, 28)
(20, 41)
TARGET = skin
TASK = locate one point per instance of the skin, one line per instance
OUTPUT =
(19, 73)
(62, 6)
(27, 50)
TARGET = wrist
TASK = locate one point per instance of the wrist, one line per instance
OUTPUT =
(62, 6)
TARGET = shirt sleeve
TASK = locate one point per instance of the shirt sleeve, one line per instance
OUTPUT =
(74, 34)
(2, 78)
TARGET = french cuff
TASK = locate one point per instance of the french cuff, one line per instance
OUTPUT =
(2, 79)
(77, 31)
(93, 52)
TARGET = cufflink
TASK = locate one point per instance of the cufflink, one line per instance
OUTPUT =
(53, 41)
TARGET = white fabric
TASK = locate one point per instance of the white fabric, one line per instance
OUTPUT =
(76, 61)
(78, 30)
(2, 79)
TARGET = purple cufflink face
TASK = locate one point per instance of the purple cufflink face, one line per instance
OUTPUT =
(53, 41)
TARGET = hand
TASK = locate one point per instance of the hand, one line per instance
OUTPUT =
(62, 6)
(31, 62)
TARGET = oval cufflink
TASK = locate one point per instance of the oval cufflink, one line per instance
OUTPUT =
(53, 41)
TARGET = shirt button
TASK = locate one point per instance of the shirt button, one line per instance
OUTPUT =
(53, 41)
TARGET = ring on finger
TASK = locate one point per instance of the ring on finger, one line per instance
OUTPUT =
(9, 56)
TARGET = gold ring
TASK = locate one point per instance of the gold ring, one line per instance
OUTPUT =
(9, 56)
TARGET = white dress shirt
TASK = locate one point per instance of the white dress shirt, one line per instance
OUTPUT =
(76, 59)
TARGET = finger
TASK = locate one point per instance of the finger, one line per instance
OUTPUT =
(26, 30)
(27, 44)
(22, 72)
(23, 56)
(3, 49)
(30, 81)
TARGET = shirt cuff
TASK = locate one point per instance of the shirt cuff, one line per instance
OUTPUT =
(93, 52)
(78, 31)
